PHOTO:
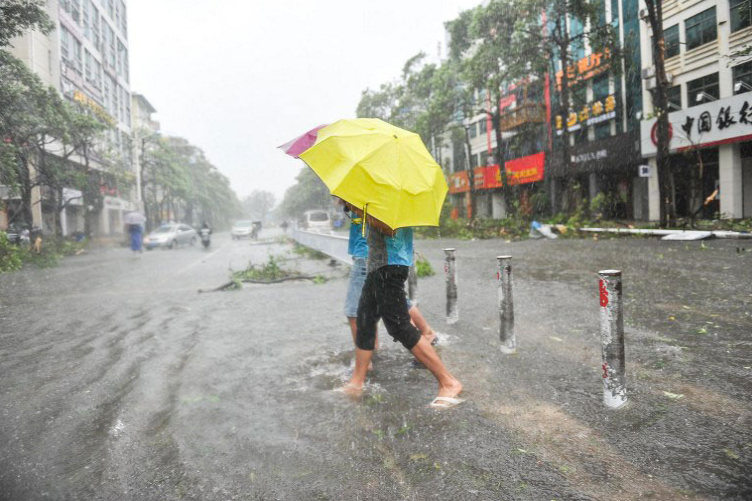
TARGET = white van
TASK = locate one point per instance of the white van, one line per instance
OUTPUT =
(317, 220)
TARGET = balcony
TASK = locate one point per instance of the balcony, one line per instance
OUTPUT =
(528, 112)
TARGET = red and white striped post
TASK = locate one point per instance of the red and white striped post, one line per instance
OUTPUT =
(450, 268)
(612, 339)
(506, 306)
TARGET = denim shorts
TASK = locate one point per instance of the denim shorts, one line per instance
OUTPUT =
(355, 287)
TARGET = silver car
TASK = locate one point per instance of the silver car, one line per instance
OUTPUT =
(170, 236)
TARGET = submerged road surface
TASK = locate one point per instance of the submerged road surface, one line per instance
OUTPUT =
(118, 380)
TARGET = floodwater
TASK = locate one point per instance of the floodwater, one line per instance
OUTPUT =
(120, 381)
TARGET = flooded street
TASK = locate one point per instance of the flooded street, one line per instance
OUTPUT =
(121, 381)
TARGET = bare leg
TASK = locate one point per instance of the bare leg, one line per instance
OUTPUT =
(421, 324)
(353, 321)
(449, 386)
(362, 361)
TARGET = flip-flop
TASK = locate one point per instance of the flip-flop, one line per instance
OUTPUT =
(445, 402)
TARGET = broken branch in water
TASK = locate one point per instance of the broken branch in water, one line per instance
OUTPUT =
(233, 283)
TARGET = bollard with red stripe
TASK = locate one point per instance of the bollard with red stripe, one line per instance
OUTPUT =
(612, 339)
(450, 269)
(506, 306)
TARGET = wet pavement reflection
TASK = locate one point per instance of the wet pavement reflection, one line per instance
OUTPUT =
(121, 381)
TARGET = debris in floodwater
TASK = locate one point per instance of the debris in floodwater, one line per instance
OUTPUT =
(418, 457)
(556, 338)
(731, 454)
(702, 330)
(673, 396)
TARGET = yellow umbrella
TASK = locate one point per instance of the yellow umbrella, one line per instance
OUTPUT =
(381, 169)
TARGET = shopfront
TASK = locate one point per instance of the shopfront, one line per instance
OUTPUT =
(603, 175)
(711, 158)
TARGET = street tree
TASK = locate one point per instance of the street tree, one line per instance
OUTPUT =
(309, 192)
(661, 112)
(17, 16)
(259, 204)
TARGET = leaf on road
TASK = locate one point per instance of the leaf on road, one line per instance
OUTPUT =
(556, 338)
(673, 396)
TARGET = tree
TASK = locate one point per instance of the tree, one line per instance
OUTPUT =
(309, 192)
(16, 16)
(259, 204)
(660, 106)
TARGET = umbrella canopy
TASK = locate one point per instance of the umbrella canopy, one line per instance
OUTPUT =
(134, 218)
(381, 169)
(301, 143)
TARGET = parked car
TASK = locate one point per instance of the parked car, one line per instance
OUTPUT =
(316, 220)
(170, 236)
(241, 229)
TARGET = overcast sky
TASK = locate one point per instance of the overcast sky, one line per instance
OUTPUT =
(240, 77)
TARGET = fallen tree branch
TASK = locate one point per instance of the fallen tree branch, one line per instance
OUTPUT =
(231, 283)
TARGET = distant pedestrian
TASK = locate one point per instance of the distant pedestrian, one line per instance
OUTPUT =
(136, 232)
(383, 297)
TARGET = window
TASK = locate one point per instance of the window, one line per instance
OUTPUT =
(89, 68)
(120, 58)
(483, 125)
(107, 93)
(600, 88)
(603, 130)
(126, 67)
(701, 29)
(673, 95)
(65, 49)
(87, 20)
(111, 8)
(95, 31)
(97, 75)
(117, 15)
(77, 54)
(671, 38)
(473, 131)
(703, 86)
(115, 101)
(743, 77)
(111, 55)
(741, 14)
(123, 20)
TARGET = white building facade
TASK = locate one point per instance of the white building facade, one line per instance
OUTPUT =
(710, 99)
(86, 59)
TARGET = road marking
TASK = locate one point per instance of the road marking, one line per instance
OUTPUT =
(202, 259)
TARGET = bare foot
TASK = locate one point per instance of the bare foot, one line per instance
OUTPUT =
(352, 390)
(451, 389)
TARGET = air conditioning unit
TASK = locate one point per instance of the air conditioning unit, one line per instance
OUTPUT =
(648, 72)
(643, 14)
(650, 83)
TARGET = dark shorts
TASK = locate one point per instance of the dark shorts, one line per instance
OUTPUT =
(384, 298)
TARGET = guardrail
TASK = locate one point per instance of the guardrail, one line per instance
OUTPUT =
(331, 245)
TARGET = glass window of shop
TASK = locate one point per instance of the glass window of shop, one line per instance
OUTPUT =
(707, 85)
(673, 95)
(601, 88)
(741, 14)
(671, 39)
(701, 29)
(742, 77)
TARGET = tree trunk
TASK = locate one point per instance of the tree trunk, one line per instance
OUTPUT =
(660, 105)
(470, 175)
(500, 156)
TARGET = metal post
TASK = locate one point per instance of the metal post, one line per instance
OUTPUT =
(450, 268)
(612, 339)
(506, 306)
(412, 286)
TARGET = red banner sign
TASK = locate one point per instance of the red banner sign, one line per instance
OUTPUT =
(523, 170)
(527, 169)
(458, 182)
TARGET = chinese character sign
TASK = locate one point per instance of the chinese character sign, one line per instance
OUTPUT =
(590, 114)
(722, 121)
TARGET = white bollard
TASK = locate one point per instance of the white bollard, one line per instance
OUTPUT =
(506, 306)
(450, 268)
(612, 339)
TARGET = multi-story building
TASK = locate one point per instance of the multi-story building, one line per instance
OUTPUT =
(145, 129)
(86, 59)
(710, 98)
(604, 133)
